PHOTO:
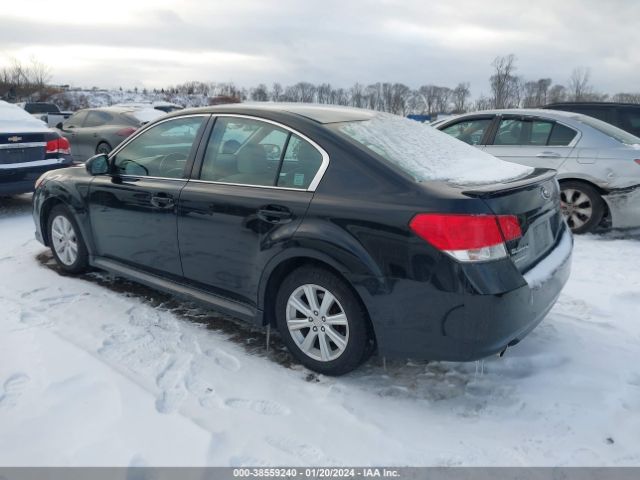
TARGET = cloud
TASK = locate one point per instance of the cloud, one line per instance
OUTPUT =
(155, 43)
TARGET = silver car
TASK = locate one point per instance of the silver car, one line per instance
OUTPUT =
(598, 164)
(99, 130)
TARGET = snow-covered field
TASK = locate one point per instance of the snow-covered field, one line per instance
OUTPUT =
(95, 371)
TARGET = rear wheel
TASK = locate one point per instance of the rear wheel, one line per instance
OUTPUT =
(67, 244)
(582, 206)
(103, 147)
(321, 321)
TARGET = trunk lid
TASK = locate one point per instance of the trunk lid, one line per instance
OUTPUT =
(19, 148)
(535, 201)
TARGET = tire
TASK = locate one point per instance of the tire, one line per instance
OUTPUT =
(348, 343)
(65, 239)
(103, 147)
(582, 206)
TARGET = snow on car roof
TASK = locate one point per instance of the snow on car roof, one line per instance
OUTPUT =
(428, 154)
(14, 119)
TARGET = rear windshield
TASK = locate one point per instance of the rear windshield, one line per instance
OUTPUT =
(41, 108)
(426, 153)
(609, 130)
(144, 115)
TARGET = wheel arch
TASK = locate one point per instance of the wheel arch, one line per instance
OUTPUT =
(279, 270)
(57, 194)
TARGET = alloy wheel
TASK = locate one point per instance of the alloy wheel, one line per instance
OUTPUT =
(576, 207)
(64, 239)
(317, 322)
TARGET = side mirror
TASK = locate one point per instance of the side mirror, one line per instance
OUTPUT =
(59, 126)
(97, 165)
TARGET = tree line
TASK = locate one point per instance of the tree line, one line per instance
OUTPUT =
(507, 89)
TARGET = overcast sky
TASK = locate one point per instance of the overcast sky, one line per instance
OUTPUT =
(153, 43)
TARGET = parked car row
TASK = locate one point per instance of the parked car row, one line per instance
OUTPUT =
(320, 220)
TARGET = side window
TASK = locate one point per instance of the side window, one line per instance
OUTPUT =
(510, 132)
(97, 118)
(76, 120)
(469, 131)
(561, 136)
(243, 151)
(540, 131)
(161, 151)
(300, 164)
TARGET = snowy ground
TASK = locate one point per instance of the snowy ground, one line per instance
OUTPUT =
(101, 372)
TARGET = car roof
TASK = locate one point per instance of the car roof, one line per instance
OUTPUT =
(316, 112)
(561, 115)
(596, 104)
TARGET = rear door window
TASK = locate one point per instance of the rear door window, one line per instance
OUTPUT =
(533, 132)
(300, 164)
(244, 151)
(76, 120)
(511, 131)
(97, 118)
(561, 135)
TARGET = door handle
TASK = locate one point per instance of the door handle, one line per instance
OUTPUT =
(162, 200)
(548, 155)
(275, 214)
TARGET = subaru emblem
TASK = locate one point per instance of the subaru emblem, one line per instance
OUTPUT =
(546, 194)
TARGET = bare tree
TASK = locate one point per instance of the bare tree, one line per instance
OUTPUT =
(260, 93)
(557, 93)
(460, 96)
(626, 97)
(276, 92)
(483, 103)
(505, 86)
(357, 95)
(579, 87)
(39, 73)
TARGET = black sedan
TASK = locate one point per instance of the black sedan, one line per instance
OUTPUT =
(346, 229)
(28, 148)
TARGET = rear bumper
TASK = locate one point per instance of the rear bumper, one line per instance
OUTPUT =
(624, 207)
(17, 180)
(467, 326)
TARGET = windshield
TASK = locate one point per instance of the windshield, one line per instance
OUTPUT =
(609, 130)
(426, 153)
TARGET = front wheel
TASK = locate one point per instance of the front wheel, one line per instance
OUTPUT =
(321, 321)
(582, 206)
(103, 147)
(66, 241)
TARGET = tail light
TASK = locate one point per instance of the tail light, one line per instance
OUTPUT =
(637, 161)
(125, 132)
(468, 238)
(59, 145)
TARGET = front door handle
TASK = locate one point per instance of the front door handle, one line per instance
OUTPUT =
(162, 200)
(548, 155)
(275, 214)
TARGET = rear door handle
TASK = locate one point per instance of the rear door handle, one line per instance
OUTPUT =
(275, 214)
(162, 200)
(548, 155)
